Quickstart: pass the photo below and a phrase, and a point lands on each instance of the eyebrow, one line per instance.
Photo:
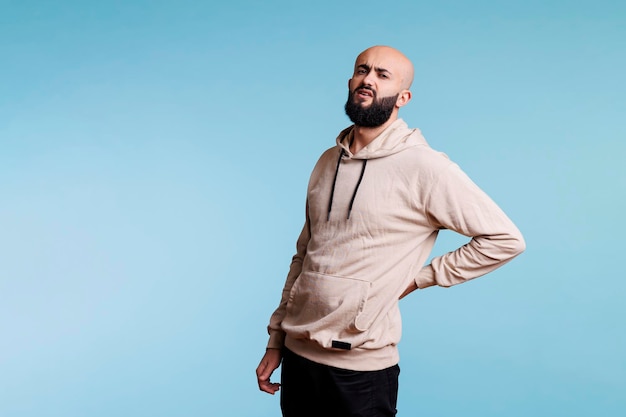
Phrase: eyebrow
(377, 69)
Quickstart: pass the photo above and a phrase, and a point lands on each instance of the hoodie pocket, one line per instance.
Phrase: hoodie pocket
(326, 308)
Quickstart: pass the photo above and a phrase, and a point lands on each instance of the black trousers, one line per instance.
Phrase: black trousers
(310, 389)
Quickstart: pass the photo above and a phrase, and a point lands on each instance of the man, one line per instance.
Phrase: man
(375, 203)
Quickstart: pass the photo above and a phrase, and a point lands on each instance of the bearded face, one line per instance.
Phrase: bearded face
(373, 115)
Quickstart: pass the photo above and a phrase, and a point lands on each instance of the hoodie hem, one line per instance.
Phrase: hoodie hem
(355, 359)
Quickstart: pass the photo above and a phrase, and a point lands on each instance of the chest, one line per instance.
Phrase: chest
(385, 191)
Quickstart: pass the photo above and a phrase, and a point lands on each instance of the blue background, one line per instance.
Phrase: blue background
(154, 157)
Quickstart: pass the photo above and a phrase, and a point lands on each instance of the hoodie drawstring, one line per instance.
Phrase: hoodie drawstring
(332, 190)
(356, 189)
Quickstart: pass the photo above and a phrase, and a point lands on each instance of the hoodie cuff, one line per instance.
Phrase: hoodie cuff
(426, 277)
(277, 339)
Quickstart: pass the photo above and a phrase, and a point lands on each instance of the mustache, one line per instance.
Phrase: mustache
(365, 87)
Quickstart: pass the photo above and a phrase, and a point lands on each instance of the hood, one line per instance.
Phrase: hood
(394, 139)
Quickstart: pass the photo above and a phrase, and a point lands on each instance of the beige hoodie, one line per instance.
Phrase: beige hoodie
(339, 305)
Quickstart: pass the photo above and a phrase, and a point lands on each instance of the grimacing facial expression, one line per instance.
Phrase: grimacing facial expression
(379, 86)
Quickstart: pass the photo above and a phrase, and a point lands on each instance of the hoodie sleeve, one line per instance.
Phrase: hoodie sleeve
(277, 335)
(457, 204)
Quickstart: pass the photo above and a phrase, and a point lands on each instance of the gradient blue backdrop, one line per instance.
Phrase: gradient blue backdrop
(153, 164)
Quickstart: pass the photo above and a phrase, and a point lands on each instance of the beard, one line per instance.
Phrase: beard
(374, 115)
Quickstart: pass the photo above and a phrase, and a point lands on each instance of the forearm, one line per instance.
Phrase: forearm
(480, 256)
(274, 329)
(457, 204)
(277, 336)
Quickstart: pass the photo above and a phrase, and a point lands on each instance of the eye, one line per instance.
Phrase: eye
(361, 71)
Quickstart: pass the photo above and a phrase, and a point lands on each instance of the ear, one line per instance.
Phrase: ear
(403, 98)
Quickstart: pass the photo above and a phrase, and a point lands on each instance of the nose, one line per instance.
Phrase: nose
(367, 80)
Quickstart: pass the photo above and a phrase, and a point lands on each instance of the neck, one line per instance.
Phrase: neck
(363, 136)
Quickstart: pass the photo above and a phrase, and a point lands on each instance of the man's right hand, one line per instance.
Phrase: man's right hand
(271, 361)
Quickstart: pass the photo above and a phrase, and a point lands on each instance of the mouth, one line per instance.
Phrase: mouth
(364, 92)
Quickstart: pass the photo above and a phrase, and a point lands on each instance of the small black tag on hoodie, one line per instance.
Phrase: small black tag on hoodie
(341, 345)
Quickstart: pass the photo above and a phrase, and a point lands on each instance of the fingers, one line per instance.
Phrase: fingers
(412, 287)
(264, 372)
(269, 387)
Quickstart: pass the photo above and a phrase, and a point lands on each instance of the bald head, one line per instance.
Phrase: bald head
(390, 59)
(379, 86)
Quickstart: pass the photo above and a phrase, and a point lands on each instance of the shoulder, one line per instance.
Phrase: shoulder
(424, 158)
(328, 158)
